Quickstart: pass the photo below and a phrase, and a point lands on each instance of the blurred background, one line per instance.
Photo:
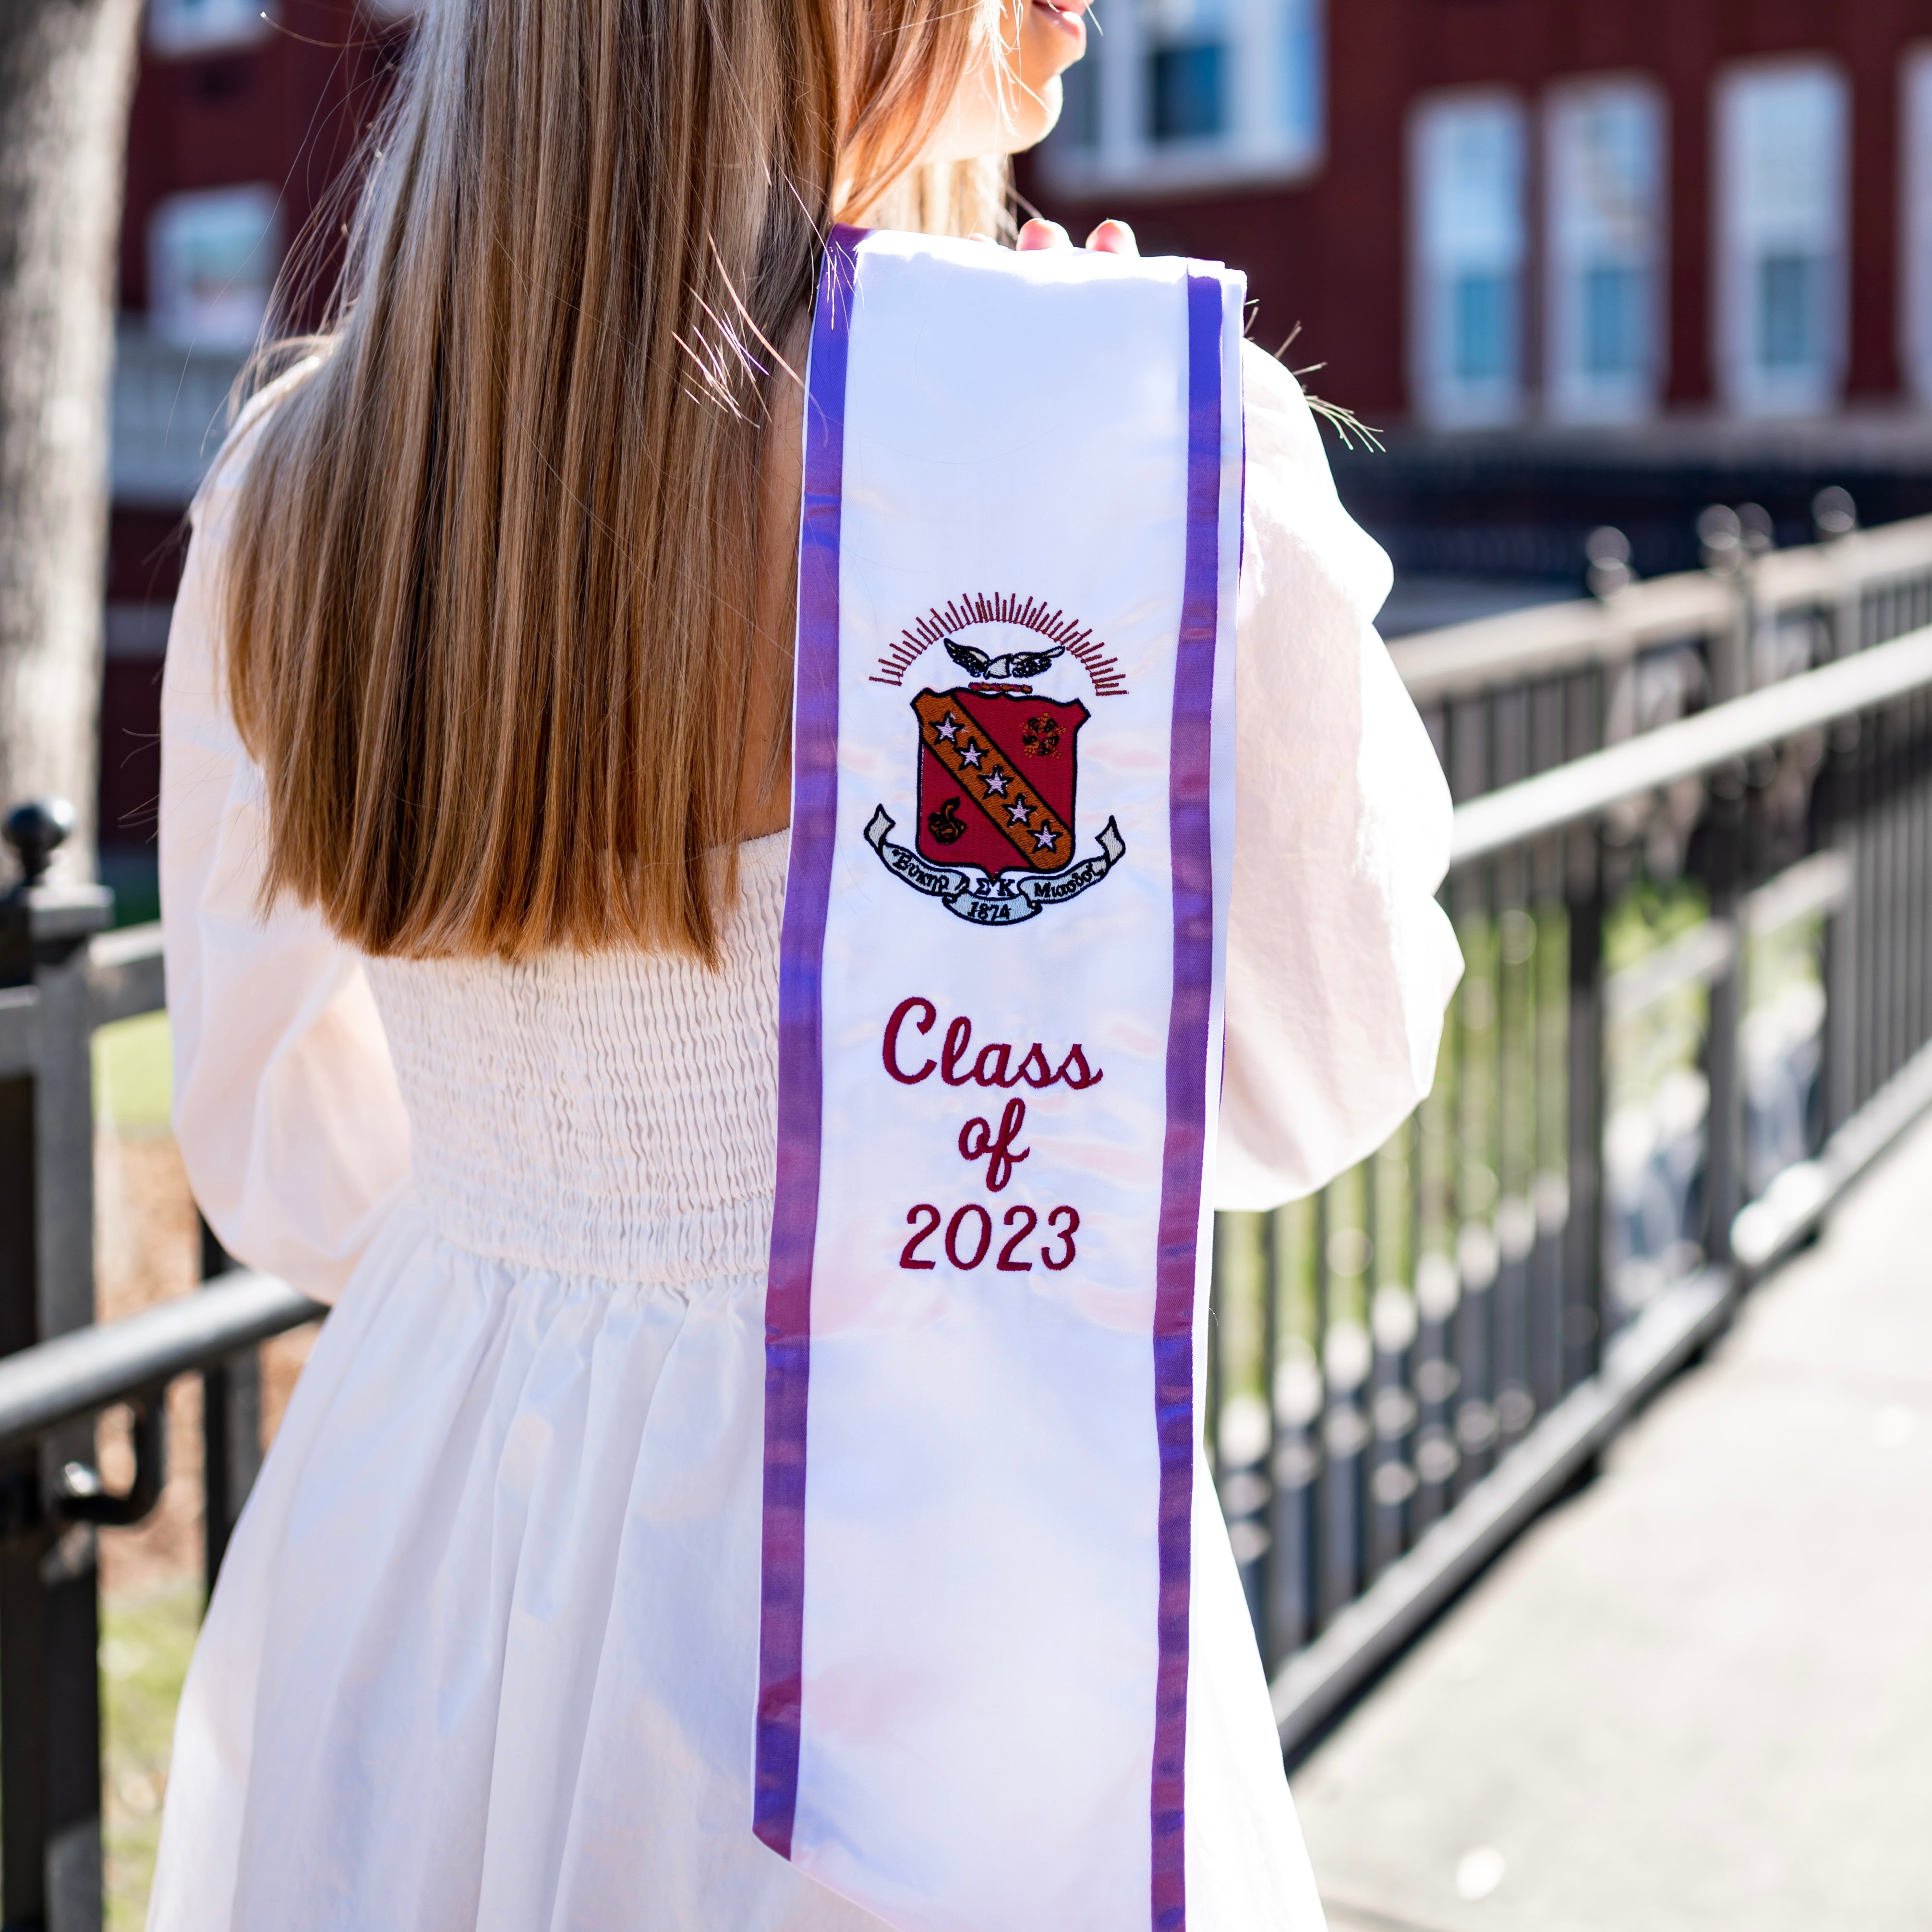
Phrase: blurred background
(1624, 311)
(1577, 264)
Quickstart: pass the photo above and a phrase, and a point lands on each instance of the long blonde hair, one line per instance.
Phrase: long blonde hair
(491, 578)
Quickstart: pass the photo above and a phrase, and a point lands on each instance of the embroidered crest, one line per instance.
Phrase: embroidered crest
(998, 775)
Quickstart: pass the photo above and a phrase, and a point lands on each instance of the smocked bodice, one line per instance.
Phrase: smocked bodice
(604, 1114)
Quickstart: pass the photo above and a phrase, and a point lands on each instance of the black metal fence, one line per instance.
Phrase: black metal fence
(1698, 997)
(1699, 988)
(60, 978)
(1506, 698)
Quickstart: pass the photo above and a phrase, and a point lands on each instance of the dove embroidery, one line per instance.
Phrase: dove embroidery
(1012, 664)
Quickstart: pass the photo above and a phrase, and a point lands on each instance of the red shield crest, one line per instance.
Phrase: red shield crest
(996, 777)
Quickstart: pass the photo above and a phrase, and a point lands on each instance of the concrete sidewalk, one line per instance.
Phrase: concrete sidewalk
(1699, 1695)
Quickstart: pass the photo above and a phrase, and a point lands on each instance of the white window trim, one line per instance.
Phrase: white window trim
(168, 32)
(1439, 401)
(1569, 396)
(1915, 219)
(1745, 388)
(256, 202)
(1259, 151)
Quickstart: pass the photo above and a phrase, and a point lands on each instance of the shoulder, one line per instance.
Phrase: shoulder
(239, 447)
(1281, 427)
(1295, 522)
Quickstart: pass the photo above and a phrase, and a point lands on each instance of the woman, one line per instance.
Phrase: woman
(474, 850)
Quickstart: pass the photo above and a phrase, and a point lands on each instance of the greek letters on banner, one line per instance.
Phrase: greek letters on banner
(1000, 1035)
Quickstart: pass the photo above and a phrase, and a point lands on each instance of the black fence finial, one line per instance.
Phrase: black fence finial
(37, 829)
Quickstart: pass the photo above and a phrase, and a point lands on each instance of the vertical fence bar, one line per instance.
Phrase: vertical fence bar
(1911, 868)
(1438, 1280)
(1211, 1412)
(49, 1612)
(1552, 1190)
(1477, 1181)
(1295, 1397)
(1582, 1329)
(1515, 1102)
(1921, 951)
(1336, 1506)
(1864, 950)
(1723, 1157)
(23, 1675)
(1919, 1016)
(1838, 832)
(1391, 1325)
(231, 1423)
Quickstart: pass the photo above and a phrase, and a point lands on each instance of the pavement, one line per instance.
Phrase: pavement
(1698, 1695)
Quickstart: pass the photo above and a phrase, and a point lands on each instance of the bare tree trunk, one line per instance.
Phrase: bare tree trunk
(66, 67)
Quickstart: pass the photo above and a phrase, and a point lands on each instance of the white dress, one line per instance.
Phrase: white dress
(484, 1651)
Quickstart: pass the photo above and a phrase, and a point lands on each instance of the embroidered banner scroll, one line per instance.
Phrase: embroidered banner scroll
(999, 1025)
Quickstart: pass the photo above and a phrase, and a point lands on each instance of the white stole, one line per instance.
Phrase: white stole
(999, 1056)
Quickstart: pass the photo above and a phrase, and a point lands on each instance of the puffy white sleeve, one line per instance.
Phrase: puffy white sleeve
(285, 1107)
(1340, 960)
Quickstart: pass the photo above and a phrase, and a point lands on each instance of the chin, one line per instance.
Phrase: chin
(1039, 114)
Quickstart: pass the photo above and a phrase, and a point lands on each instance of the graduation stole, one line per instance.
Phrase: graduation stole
(999, 1054)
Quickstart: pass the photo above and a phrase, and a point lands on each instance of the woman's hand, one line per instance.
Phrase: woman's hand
(1111, 237)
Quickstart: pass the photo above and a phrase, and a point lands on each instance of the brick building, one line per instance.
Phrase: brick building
(1581, 260)
(1585, 260)
(241, 129)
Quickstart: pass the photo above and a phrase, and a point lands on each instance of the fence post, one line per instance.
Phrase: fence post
(1721, 539)
(1724, 1148)
(50, 1614)
(1839, 830)
(1585, 887)
(231, 1424)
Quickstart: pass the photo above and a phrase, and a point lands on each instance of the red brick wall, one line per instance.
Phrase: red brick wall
(288, 110)
(1331, 255)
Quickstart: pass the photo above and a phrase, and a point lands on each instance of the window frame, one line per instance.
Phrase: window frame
(1748, 384)
(1441, 398)
(170, 29)
(168, 317)
(1260, 148)
(1915, 219)
(1572, 392)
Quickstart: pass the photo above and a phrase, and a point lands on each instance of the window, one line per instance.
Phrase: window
(1182, 92)
(1467, 233)
(212, 261)
(1781, 238)
(1187, 90)
(1604, 155)
(194, 26)
(1915, 239)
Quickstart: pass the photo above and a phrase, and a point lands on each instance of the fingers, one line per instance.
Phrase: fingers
(1111, 237)
(1038, 234)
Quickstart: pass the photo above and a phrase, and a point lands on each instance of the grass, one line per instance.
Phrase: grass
(133, 1071)
(145, 1647)
(145, 1641)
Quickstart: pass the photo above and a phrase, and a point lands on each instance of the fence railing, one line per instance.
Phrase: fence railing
(1698, 998)
(1699, 994)
(1507, 697)
(62, 977)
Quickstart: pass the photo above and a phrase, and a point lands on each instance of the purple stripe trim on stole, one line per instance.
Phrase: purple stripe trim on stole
(801, 1085)
(1190, 808)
